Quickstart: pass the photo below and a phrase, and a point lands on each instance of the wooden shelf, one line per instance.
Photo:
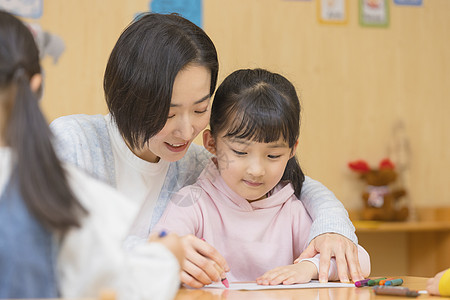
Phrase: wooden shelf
(415, 248)
(420, 226)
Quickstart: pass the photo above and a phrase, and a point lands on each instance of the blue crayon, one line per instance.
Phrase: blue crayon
(162, 234)
(397, 281)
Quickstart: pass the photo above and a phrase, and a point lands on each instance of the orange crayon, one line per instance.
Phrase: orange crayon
(382, 282)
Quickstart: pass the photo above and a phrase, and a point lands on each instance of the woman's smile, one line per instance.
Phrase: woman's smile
(177, 147)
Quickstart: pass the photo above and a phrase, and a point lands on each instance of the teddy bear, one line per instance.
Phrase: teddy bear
(381, 201)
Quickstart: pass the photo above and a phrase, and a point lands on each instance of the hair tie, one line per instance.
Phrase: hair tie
(19, 73)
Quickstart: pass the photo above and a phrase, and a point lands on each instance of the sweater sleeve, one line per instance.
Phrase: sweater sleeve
(364, 261)
(67, 141)
(444, 284)
(83, 141)
(91, 258)
(327, 212)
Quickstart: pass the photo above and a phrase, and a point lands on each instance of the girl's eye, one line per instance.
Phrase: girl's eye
(170, 116)
(239, 152)
(274, 156)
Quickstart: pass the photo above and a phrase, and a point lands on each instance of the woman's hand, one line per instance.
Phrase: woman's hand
(297, 273)
(171, 242)
(203, 264)
(433, 284)
(334, 245)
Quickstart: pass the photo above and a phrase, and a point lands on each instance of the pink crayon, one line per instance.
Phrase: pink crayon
(225, 282)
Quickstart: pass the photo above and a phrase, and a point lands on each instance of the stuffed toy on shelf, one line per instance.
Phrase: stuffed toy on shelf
(381, 201)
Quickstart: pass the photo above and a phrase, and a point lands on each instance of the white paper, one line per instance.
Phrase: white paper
(251, 286)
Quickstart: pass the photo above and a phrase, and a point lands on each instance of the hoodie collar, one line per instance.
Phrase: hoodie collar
(214, 184)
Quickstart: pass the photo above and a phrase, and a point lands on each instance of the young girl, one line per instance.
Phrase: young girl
(440, 284)
(61, 231)
(158, 83)
(245, 203)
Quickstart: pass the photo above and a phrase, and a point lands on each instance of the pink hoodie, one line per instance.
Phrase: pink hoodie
(254, 237)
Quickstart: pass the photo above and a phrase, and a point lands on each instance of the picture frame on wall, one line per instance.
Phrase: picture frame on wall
(32, 9)
(189, 9)
(374, 13)
(332, 11)
(409, 2)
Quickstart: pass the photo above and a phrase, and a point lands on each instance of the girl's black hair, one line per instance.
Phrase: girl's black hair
(41, 179)
(260, 106)
(141, 71)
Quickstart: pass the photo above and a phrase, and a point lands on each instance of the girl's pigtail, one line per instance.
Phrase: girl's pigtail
(294, 174)
(42, 180)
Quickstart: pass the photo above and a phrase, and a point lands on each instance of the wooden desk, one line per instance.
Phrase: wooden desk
(366, 293)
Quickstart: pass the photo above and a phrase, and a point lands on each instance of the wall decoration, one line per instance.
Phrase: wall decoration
(49, 44)
(189, 9)
(332, 11)
(374, 13)
(408, 2)
(23, 8)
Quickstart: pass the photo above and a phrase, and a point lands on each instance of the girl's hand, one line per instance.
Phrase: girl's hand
(433, 284)
(171, 242)
(203, 264)
(335, 245)
(296, 273)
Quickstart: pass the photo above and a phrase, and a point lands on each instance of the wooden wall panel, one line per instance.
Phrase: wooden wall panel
(356, 83)
(89, 30)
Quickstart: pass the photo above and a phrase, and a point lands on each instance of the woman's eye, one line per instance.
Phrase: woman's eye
(201, 111)
(170, 116)
(239, 152)
(274, 156)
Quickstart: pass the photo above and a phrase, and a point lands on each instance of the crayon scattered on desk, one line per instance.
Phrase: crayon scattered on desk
(397, 281)
(373, 282)
(395, 291)
(362, 283)
(382, 282)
